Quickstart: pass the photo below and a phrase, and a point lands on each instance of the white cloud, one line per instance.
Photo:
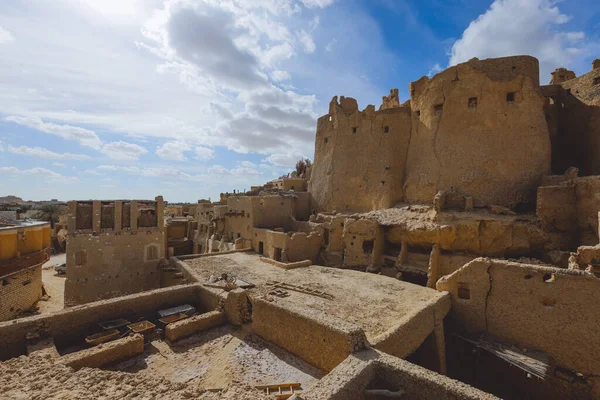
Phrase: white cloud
(5, 36)
(85, 137)
(279, 76)
(317, 3)
(40, 173)
(57, 164)
(307, 42)
(516, 27)
(204, 153)
(1, 147)
(434, 70)
(9, 170)
(329, 46)
(45, 153)
(284, 160)
(173, 151)
(123, 151)
(248, 164)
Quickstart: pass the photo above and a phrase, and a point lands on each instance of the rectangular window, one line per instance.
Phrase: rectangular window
(437, 110)
(81, 258)
(510, 97)
(596, 81)
(386, 129)
(473, 102)
(354, 129)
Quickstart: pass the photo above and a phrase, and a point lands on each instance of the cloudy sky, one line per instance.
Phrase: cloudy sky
(190, 98)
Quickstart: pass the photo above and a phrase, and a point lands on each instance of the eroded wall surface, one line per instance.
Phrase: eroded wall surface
(533, 306)
(114, 248)
(359, 157)
(479, 129)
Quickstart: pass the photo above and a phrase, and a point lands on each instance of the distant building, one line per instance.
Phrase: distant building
(24, 247)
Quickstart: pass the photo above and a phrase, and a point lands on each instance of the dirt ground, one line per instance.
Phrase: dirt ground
(373, 302)
(217, 358)
(224, 358)
(54, 285)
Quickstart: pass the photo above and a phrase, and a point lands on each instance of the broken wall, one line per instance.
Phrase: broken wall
(359, 158)
(531, 306)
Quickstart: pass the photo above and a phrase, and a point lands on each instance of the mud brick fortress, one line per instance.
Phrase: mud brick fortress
(445, 247)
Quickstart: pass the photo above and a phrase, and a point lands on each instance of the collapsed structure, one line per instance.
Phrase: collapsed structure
(453, 234)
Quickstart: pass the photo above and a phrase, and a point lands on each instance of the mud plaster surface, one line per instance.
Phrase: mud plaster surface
(214, 359)
(220, 358)
(373, 302)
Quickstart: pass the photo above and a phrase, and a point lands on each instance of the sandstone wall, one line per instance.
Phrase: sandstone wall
(479, 129)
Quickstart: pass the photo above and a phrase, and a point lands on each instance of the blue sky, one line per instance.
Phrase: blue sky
(189, 98)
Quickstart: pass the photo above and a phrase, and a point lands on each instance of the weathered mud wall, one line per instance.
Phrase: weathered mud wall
(479, 129)
(372, 369)
(108, 265)
(359, 157)
(532, 306)
(299, 332)
(74, 323)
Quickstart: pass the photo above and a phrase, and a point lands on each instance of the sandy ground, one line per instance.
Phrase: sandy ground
(54, 285)
(373, 302)
(218, 358)
(224, 358)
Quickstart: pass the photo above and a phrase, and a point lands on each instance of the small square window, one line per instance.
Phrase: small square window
(437, 110)
(596, 81)
(510, 97)
(418, 112)
(386, 129)
(354, 129)
(473, 102)
(464, 292)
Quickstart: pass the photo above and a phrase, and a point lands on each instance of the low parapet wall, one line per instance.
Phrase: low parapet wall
(106, 353)
(320, 340)
(198, 323)
(373, 370)
(74, 323)
(411, 329)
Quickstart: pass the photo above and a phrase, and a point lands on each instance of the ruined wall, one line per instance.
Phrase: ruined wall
(579, 124)
(363, 242)
(479, 129)
(531, 306)
(570, 209)
(371, 369)
(359, 157)
(115, 258)
(74, 323)
(108, 265)
(472, 233)
(284, 247)
(561, 75)
(20, 291)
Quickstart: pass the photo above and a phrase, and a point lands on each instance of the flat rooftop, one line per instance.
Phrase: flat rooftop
(372, 302)
(19, 224)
